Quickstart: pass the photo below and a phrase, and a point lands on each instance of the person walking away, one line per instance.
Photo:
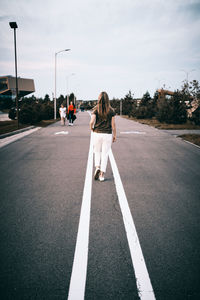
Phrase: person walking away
(62, 111)
(102, 124)
(71, 112)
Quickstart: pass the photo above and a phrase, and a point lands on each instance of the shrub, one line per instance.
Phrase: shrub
(34, 113)
(12, 113)
(146, 107)
(196, 116)
(172, 110)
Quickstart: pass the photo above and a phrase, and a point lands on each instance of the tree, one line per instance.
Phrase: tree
(127, 104)
(195, 89)
(115, 103)
(172, 110)
(71, 97)
(145, 109)
(46, 98)
(146, 99)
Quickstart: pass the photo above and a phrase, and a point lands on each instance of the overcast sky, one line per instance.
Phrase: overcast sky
(116, 45)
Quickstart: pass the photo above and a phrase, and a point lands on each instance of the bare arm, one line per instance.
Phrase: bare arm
(114, 129)
(92, 121)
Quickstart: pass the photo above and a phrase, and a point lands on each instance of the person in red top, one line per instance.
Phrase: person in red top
(71, 112)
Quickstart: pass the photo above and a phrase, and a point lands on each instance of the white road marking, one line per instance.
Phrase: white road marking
(191, 143)
(79, 269)
(13, 138)
(62, 132)
(134, 132)
(145, 290)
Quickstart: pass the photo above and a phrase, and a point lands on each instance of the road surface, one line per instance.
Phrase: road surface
(45, 178)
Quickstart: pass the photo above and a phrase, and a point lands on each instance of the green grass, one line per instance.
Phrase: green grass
(155, 123)
(9, 126)
(192, 138)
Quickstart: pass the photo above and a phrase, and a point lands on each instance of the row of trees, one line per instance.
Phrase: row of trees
(33, 110)
(170, 110)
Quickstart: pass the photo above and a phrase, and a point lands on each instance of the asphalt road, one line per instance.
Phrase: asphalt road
(42, 181)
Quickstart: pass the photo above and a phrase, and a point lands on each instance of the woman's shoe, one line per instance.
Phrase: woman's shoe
(96, 174)
(101, 178)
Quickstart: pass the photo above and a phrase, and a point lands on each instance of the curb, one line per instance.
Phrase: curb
(2, 136)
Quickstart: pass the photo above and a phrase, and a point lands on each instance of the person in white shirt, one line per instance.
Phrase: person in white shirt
(62, 112)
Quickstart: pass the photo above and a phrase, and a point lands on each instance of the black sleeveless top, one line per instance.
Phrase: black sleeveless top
(103, 125)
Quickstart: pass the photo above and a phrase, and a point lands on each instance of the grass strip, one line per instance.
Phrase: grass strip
(155, 123)
(192, 138)
(10, 126)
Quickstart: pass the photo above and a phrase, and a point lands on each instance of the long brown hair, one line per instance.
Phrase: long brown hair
(103, 105)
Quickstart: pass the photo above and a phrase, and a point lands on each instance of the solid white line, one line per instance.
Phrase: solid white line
(79, 269)
(145, 290)
(13, 138)
(191, 143)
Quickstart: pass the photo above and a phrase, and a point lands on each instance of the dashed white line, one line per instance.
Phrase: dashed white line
(79, 269)
(133, 132)
(145, 290)
(61, 132)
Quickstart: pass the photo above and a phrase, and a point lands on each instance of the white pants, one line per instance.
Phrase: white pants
(102, 143)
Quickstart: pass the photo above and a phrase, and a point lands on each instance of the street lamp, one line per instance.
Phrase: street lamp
(14, 26)
(55, 80)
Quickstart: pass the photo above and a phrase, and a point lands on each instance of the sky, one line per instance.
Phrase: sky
(116, 45)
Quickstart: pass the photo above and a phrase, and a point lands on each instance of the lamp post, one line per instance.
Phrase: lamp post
(55, 80)
(14, 26)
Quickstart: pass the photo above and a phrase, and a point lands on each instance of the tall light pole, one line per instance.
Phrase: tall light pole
(14, 26)
(55, 80)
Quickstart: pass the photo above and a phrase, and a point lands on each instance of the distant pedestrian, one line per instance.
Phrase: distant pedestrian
(71, 113)
(62, 112)
(104, 133)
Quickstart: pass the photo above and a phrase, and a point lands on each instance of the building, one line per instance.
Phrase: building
(8, 87)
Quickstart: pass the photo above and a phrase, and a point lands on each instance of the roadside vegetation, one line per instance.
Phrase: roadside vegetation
(165, 126)
(32, 111)
(179, 111)
(10, 126)
(192, 138)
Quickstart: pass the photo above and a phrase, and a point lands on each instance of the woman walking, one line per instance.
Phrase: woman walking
(62, 112)
(71, 112)
(104, 133)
